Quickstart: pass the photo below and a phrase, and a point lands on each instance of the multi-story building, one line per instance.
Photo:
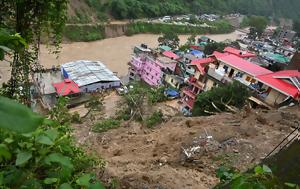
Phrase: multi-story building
(196, 82)
(273, 88)
(152, 67)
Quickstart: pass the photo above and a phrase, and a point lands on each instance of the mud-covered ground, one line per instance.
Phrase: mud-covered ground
(154, 158)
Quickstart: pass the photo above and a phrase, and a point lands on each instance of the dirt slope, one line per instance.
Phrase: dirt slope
(142, 158)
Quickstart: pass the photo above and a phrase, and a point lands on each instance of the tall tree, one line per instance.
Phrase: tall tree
(31, 19)
(170, 39)
(258, 24)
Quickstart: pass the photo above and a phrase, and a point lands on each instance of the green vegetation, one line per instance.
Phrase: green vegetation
(259, 177)
(154, 119)
(30, 19)
(169, 39)
(121, 9)
(40, 153)
(257, 25)
(158, 28)
(220, 99)
(84, 33)
(156, 95)
(137, 98)
(215, 46)
(106, 125)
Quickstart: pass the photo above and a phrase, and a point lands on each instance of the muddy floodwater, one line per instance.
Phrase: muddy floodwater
(115, 53)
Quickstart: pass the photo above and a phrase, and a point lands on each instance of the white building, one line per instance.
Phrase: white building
(90, 75)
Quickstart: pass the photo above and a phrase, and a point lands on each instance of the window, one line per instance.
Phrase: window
(231, 73)
(248, 78)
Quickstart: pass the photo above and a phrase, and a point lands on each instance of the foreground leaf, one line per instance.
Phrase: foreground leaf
(65, 186)
(84, 180)
(60, 159)
(23, 157)
(17, 117)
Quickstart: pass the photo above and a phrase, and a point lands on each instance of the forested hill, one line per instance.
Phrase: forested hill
(121, 9)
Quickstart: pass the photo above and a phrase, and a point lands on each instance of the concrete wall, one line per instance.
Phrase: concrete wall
(98, 86)
(209, 84)
(115, 30)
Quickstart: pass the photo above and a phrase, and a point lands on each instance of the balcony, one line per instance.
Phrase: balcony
(189, 93)
(189, 103)
(190, 71)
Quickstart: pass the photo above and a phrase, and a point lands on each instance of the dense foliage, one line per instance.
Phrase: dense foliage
(157, 28)
(30, 19)
(84, 33)
(154, 8)
(40, 153)
(261, 177)
(219, 98)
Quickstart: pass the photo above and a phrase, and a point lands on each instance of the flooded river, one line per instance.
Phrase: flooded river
(114, 52)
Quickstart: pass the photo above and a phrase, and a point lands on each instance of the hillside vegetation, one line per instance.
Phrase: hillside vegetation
(89, 10)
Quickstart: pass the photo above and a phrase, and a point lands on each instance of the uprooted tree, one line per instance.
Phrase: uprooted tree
(220, 99)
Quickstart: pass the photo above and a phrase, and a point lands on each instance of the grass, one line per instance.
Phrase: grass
(154, 119)
(106, 125)
(84, 32)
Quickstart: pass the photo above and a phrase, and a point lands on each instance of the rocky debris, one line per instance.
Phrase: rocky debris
(185, 151)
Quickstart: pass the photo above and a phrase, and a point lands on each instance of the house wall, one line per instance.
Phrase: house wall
(172, 81)
(275, 97)
(98, 86)
(151, 73)
(209, 84)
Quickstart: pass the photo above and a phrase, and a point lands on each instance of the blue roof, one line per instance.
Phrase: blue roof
(172, 92)
(196, 52)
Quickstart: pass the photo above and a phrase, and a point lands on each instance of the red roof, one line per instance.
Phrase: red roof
(243, 65)
(66, 87)
(287, 74)
(239, 53)
(170, 54)
(218, 54)
(279, 84)
(200, 63)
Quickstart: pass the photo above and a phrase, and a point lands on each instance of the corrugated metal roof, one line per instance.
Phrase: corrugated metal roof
(84, 72)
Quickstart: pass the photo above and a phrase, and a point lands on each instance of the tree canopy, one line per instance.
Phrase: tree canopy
(31, 20)
(146, 8)
(170, 39)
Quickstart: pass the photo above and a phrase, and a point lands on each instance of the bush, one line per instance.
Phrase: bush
(84, 33)
(154, 119)
(156, 95)
(41, 153)
(75, 118)
(158, 28)
(106, 125)
(234, 94)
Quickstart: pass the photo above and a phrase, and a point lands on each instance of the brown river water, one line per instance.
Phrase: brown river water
(115, 53)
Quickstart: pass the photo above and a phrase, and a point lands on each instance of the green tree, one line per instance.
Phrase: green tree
(215, 46)
(220, 98)
(191, 40)
(31, 19)
(170, 39)
(258, 25)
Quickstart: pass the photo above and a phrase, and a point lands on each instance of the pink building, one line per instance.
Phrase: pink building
(151, 69)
